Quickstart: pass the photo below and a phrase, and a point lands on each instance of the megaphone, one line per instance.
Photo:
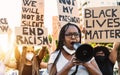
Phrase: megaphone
(84, 52)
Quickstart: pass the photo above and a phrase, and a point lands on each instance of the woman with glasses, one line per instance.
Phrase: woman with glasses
(63, 60)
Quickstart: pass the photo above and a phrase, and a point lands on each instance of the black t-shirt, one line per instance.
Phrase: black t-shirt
(27, 70)
(106, 67)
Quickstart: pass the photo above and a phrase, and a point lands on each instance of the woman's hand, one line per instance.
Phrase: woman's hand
(74, 61)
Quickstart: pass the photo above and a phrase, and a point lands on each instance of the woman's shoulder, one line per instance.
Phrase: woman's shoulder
(55, 52)
(53, 56)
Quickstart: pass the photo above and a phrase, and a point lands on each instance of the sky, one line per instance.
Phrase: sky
(11, 9)
(50, 10)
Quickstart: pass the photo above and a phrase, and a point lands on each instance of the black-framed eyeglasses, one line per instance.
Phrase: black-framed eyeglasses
(75, 34)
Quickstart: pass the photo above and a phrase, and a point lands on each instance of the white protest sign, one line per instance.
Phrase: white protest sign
(4, 28)
(32, 13)
(31, 35)
(68, 12)
(102, 24)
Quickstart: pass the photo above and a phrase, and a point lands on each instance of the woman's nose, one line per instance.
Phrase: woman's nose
(72, 36)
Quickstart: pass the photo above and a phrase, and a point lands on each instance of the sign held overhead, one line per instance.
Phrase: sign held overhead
(102, 24)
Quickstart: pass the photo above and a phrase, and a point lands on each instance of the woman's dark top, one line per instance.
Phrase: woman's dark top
(27, 70)
(106, 67)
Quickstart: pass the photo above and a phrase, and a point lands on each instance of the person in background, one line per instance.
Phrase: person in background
(2, 63)
(28, 62)
(106, 59)
(63, 61)
(2, 68)
(118, 59)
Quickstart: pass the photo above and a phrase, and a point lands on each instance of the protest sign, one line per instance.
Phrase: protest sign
(32, 31)
(32, 13)
(102, 24)
(4, 28)
(31, 36)
(68, 12)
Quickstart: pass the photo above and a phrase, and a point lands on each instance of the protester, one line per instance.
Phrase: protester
(2, 68)
(28, 62)
(63, 60)
(106, 59)
(2, 65)
(118, 59)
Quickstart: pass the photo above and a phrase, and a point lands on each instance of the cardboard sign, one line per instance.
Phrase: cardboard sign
(68, 12)
(102, 24)
(31, 36)
(32, 13)
(4, 28)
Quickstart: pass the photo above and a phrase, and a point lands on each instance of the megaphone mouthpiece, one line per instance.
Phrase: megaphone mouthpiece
(75, 45)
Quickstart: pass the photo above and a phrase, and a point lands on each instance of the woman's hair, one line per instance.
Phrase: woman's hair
(35, 66)
(101, 48)
(62, 35)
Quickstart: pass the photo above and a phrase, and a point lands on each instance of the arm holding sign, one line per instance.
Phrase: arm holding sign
(17, 58)
(41, 56)
(8, 62)
(113, 53)
(17, 54)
